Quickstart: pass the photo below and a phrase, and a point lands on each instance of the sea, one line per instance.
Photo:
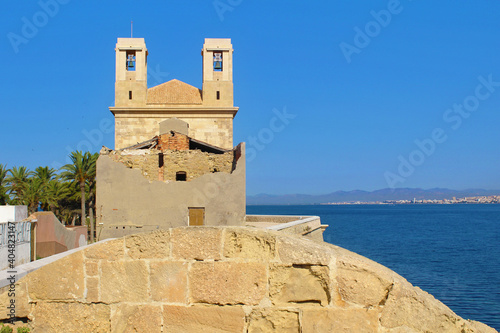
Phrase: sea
(450, 251)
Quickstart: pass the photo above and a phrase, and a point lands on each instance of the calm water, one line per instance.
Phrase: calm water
(450, 251)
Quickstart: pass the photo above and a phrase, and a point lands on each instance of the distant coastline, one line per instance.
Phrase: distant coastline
(491, 199)
(382, 196)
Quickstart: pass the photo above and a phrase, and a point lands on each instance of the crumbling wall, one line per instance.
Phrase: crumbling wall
(173, 141)
(145, 160)
(128, 201)
(230, 279)
(194, 162)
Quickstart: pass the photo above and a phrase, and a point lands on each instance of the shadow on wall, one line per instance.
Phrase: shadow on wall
(53, 237)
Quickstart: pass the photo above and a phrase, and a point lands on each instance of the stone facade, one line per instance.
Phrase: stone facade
(194, 162)
(174, 164)
(133, 128)
(135, 195)
(225, 279)
(138, 110)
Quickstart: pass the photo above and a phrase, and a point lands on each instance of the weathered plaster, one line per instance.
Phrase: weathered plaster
(129, 203)
(53, 237)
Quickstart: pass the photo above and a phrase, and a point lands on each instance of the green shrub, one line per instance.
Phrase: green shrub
(6, 329)
(23, 330)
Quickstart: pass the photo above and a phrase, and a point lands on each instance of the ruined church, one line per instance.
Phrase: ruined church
(174, 163)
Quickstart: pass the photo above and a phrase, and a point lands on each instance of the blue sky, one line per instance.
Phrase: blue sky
(375, 93)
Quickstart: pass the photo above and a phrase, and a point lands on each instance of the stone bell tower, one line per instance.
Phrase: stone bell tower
(138, 110)
(217, 72)
(131, 72)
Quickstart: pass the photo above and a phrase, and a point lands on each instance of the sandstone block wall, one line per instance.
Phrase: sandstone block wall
(226, 279)
(307, 226)
(144, 160)
(194, 162)
(131, 129)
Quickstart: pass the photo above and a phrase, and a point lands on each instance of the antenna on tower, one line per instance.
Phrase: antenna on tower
(131, 29)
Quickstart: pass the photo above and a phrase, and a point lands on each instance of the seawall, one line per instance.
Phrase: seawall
(225, 279)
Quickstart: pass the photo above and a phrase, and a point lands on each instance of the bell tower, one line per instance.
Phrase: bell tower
(138, 109)
(217, 72)
(131, 72)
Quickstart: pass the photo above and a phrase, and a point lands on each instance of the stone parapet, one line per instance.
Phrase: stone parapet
(225, 279)
(308, 226)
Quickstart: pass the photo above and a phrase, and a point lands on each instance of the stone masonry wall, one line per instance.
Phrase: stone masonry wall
(225, 279)
(194, 162)
(129, 130)
(144, 160)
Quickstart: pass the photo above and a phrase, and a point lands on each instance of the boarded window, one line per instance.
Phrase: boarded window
(196, 215)
(180, 176)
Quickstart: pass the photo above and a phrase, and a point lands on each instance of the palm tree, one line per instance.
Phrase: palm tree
(45, 175)
(32, 193)
(80, 172)
(57, 192)
(17, 182)
(4, 198)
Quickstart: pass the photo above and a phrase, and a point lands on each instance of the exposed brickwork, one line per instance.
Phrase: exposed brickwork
(161, 173)
(173, 141)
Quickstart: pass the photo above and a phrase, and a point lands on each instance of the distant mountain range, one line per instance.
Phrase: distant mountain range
(358, 195)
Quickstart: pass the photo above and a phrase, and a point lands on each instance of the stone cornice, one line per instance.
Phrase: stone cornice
(174, 110)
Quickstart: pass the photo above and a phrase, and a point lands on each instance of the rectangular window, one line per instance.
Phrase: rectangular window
(130, 95)
(218, 95)
(180, 176)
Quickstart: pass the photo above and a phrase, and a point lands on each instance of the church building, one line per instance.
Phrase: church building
(208, 111)
(174, 163)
